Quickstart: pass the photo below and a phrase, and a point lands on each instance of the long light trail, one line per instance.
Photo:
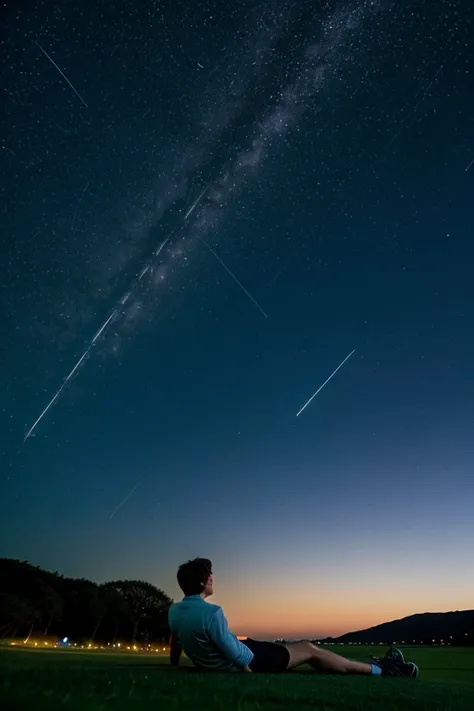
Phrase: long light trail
(233, 276)
(62, 73)
(100, 332)
(325, 383)
(68, 378)
(124, 501)
(195, 203)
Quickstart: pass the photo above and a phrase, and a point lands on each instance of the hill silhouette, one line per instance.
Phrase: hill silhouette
(455, 628)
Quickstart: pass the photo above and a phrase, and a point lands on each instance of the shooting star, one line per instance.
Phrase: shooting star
(233, 276)
(143, 272)
(61, 72)
(325, 383)
(161, 247)
(68, 378)
(124, 501)
(101, 330)
(194, 204)
(57, 394)
(470, 164)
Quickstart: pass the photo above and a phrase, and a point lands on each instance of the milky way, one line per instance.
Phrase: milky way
(264, 106)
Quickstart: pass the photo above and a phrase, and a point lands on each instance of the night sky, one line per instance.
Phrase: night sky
(328, 151)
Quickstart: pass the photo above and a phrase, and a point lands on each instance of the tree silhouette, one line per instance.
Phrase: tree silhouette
(147, 604)
(34, 600)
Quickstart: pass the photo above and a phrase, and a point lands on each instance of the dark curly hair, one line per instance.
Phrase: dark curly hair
(193, 575)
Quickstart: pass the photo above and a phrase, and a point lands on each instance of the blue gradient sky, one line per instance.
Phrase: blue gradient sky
(352, 229)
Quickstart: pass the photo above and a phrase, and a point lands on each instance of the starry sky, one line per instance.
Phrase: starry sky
(206, 207)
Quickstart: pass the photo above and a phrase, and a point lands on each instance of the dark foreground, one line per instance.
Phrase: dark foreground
(80, 681)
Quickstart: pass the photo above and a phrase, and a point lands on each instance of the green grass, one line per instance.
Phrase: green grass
(84, 681)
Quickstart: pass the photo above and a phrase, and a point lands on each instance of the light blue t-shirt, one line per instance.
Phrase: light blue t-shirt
(202, 632)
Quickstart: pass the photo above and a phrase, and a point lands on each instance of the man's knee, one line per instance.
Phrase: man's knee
(308, 646)
(301, 652)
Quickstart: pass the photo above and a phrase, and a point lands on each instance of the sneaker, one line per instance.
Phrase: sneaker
(393, 654)
(391, 667)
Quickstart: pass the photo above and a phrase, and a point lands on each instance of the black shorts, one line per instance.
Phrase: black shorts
(269, 657)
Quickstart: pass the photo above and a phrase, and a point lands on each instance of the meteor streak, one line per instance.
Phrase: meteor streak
(143, 272)
(161, 247)
(68, 378)
(62, 73)
(125, 499)
(233, 276)
(101, 330)
(194, 204)
(104, 326)
(325, 383)
(58, 393)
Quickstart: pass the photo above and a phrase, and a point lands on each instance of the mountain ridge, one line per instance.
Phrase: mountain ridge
(453, 627)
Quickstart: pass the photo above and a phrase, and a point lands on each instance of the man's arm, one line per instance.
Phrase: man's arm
(227, 643)
(175, 651)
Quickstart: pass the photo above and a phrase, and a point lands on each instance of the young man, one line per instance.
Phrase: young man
(200, 629)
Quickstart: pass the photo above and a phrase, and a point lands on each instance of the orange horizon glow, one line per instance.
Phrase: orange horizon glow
(275, 618)
(338, 597)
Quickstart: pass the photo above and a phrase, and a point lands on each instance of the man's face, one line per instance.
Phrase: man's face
(209, 586)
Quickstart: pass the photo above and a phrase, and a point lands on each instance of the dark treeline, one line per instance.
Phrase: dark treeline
(34, 602)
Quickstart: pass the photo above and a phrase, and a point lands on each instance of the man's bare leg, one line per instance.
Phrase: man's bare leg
(323, 660)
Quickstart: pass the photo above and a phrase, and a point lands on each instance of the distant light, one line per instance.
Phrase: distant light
(65, 640)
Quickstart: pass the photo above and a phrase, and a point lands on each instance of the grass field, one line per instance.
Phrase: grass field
(83, 681)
